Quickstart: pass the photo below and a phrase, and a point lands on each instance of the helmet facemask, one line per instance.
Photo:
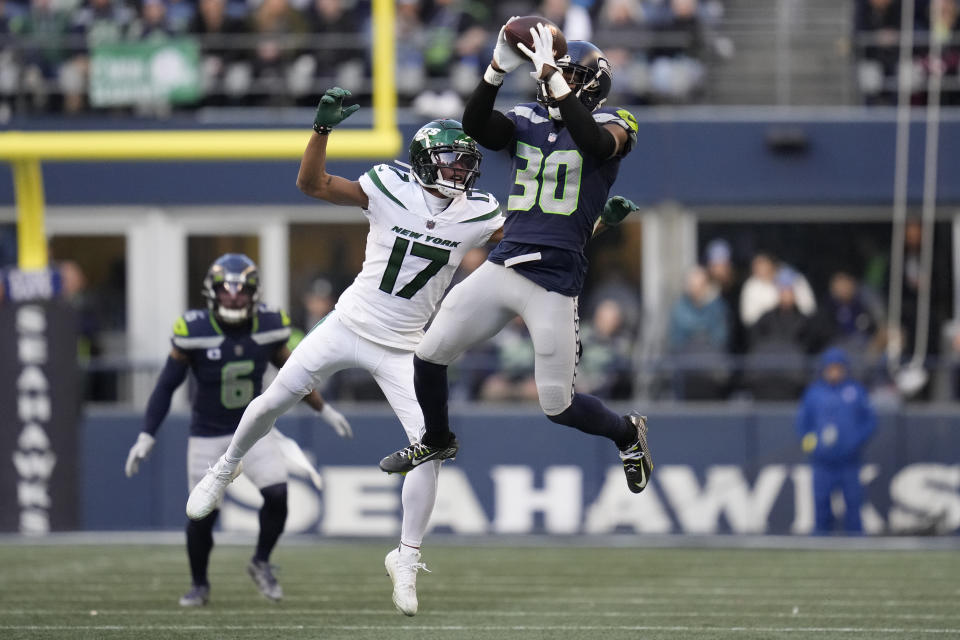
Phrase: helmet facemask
(234, 301)
(232, 289)
(590, 83)
(453, 171)
(444, 158)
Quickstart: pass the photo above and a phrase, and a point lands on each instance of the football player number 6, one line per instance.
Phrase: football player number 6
(235, 390)
(544, 192)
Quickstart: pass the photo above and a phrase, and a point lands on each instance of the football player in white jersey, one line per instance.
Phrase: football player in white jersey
(423, 218)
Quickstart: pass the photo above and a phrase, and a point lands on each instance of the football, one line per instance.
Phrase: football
(518, 31)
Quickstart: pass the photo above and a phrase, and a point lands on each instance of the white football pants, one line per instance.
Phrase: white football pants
(264, 463)
(479, 307)
(332, 347)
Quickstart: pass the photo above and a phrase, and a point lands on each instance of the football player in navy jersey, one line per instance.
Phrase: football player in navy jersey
(227, 346)
(566, 150)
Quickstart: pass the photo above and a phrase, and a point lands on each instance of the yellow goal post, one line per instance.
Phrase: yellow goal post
(25, 150)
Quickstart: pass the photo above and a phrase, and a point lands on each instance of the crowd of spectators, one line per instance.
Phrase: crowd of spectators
(287, 52)
(877, 39)
(756, 335)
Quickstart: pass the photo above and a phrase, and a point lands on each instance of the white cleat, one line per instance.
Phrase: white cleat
(208, 494)
(403, 572)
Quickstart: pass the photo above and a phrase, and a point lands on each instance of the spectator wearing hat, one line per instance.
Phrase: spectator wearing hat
(698, 335)
(834, 423)
(718, 258)
(778, 344)
(760, 293)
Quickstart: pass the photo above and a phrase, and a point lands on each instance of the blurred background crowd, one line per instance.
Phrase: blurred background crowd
(287, 52)
(747, 323)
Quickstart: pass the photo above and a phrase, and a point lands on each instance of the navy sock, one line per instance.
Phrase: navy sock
(589, 415)
(430, 384)
(199, 546)
(273, 517)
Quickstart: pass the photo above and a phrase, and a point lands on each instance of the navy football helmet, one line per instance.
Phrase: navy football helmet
(586, 69)
(232, 288)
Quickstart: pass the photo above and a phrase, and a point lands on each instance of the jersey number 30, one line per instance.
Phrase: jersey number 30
(544, 192)
(437, 259)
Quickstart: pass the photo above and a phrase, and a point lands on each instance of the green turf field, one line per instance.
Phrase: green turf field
(340, 591)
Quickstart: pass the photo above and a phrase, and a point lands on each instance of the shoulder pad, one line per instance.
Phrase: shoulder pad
(272, 325)
(194, 330)
(483, 205)
(622, 117)
(615, 115)
(387, 182)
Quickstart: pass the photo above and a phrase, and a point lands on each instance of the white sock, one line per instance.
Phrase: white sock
(258, 418)
(418, 497)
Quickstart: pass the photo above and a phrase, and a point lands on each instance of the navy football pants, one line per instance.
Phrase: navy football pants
(846, 478)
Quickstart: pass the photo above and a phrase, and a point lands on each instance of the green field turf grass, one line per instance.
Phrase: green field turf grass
(339, 590)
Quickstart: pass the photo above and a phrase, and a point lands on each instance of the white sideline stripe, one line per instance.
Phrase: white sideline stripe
(784, 602)
(614, 541)
(486, 613)
(393, 627)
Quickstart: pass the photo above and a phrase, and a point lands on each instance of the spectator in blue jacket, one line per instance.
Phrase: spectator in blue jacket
(834, 423)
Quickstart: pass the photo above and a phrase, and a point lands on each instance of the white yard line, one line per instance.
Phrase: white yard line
(486, 613)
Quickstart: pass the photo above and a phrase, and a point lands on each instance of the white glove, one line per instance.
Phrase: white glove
(336, 420)
(139, 452)
(504, 57)
(542, 54)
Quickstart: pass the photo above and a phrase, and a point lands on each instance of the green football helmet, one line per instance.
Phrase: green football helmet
(445, 158)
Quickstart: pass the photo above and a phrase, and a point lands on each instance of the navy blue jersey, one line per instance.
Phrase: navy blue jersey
(228, 364)
(557, 196)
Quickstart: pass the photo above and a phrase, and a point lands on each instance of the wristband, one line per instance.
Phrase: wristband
(557, 85)
(322, 129)
(492, 76)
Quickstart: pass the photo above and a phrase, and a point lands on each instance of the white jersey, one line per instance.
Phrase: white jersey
(411, 255)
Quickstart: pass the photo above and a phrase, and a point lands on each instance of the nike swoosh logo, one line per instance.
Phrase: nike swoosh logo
(643, 478)
(414, 462)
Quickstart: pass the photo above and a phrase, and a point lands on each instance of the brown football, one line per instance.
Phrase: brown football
(518, 31)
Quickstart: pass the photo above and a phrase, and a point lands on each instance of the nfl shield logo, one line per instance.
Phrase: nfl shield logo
(431, 224)
(552, 137)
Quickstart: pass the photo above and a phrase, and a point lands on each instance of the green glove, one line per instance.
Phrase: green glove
(330, 111)
(616, 209)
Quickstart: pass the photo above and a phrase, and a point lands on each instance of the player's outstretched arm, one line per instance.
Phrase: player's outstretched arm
(614, 211)
(313, 178)
(490, 128)
(158, 406)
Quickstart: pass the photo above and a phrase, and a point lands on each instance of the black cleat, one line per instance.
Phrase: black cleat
(637, 463)
(198, 596)
(411, 457)
(262, 575)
